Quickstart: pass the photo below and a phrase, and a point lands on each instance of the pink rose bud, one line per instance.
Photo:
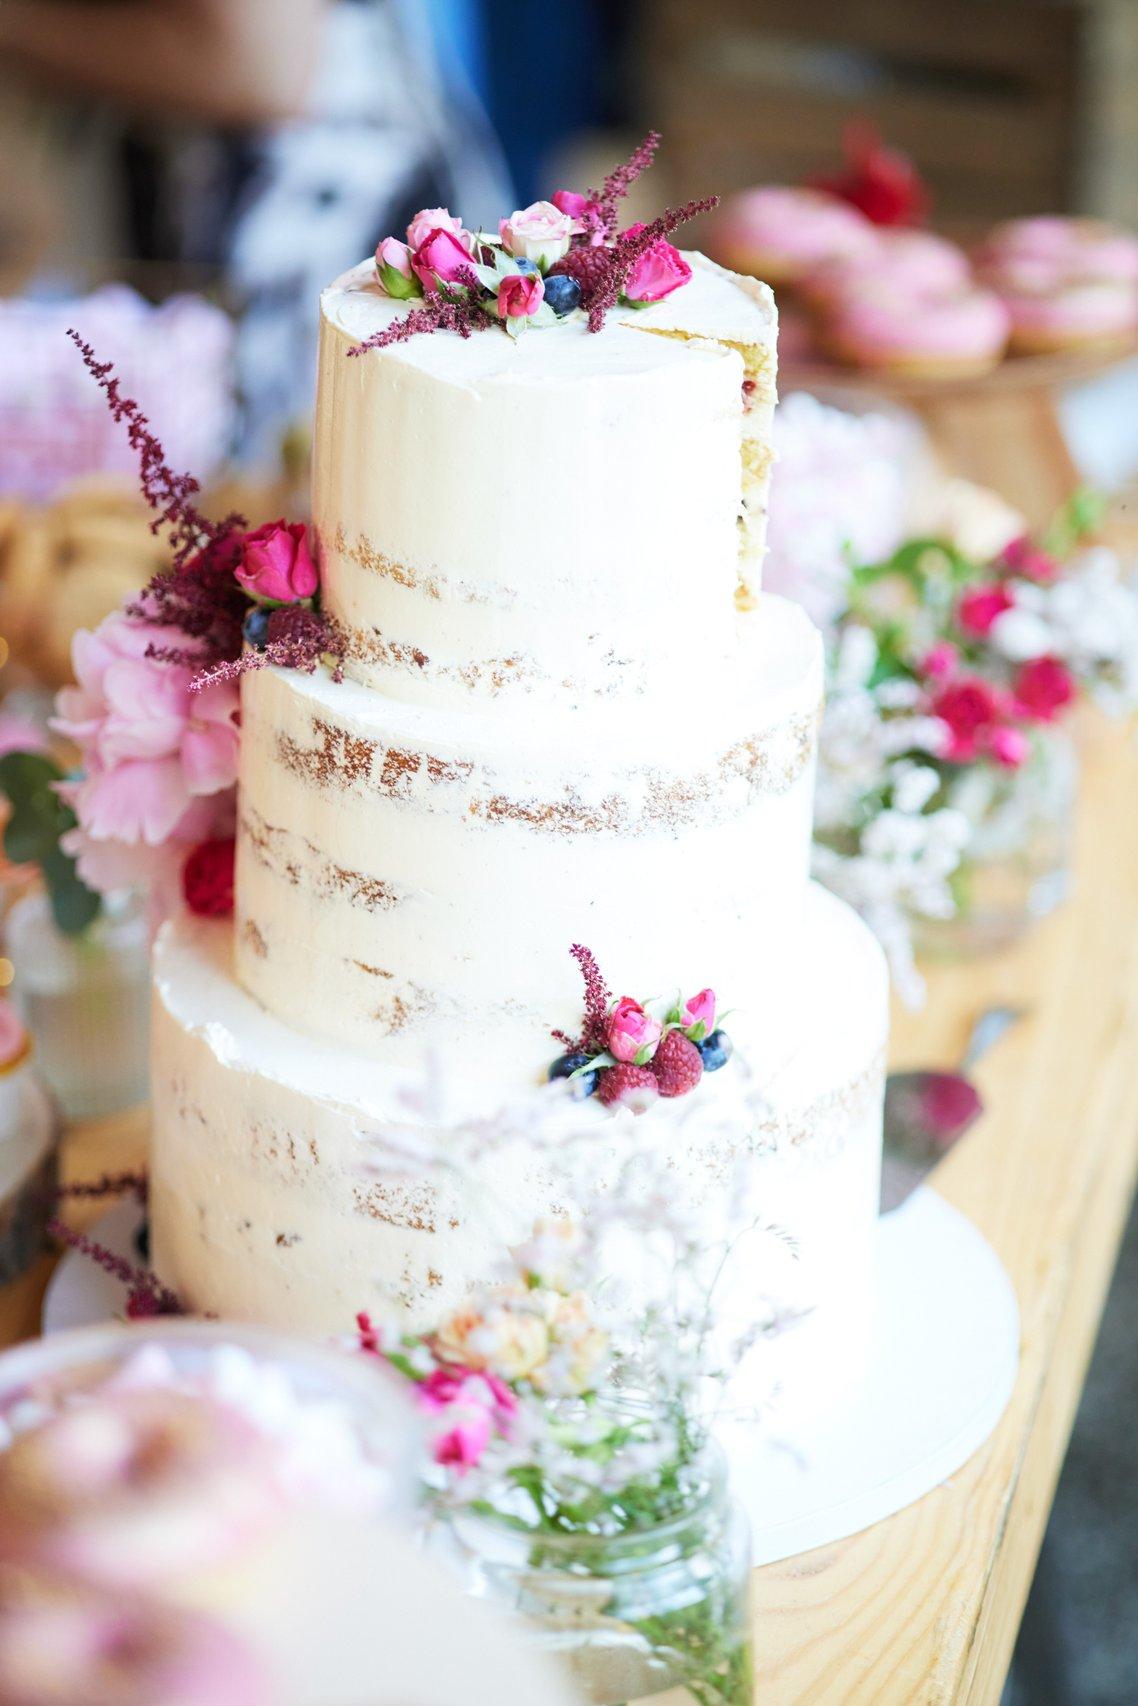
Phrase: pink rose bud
(980, 606)
(573, 203)
(520, 294)
(633, 1033)
(441, 255)
(276, 563)
(432, 219)
(393, 265)
(539, 232)
(940, 662)
(657, 273)
(700, 1010)
(1009, 746)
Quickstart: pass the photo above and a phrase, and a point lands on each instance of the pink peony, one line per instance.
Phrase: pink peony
(519, 295)
(970, 709)
(940, 661)
(160, 761)
(277, 564)
(462, 1445)
(539, 232)
(1009, 746)
(1043, 687)
(430, 219)
(440, 255)
(1023, 557)
(700, 1010)
(632, 1033)
(980, 606)
(659, 271)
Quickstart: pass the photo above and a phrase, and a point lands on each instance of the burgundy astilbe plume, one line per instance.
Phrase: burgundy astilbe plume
(442, 312)
(598, 999)
(627, 250)
(619, 181)
(169, 494)
(146, 1295)
(298, 639)
(107, 1185)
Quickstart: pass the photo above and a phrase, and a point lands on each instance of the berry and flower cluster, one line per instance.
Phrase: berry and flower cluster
(545, 263)
(154, 713)
(628, 1053)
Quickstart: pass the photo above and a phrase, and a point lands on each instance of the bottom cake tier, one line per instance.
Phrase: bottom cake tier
(273, 1197)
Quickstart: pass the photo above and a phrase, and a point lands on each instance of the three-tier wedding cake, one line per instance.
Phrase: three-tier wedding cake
(567, 715)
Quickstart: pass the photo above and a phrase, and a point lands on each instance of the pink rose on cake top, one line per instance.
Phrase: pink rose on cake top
(546, 263)
(52, 427)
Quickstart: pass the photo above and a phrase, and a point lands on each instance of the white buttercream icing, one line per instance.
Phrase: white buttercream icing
(553, 515)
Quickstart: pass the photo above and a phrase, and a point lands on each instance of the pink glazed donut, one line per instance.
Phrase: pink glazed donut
(894, 330)
(914, 260)
(1088, 248)
(1051, 313)
(779, 233)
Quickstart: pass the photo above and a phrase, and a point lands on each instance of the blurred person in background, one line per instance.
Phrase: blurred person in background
(271, 142)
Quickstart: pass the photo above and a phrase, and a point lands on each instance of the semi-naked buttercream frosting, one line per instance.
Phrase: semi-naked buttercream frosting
(568, 714)
(550, 517)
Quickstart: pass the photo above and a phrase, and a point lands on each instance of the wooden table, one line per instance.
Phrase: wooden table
(925, 1606)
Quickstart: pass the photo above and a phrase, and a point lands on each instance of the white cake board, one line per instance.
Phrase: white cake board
(942, 1362)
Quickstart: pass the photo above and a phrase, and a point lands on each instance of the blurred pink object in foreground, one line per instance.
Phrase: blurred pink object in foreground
(54, 424)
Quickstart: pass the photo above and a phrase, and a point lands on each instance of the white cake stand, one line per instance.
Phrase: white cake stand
(942, 1363)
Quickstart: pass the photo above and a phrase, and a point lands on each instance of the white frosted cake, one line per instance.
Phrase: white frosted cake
(568, 715)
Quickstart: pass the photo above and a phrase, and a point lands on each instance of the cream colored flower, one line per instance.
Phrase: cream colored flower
(577, 1346)
(506, 1336)
(549, 1254)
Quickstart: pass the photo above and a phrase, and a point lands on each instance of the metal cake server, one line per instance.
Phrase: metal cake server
(926, 1112)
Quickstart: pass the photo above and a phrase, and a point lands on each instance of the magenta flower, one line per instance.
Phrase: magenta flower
(940, 661)
(970, 709)
(632, 1033)
(584, 211)
(980, 606)
(440, 256)
(1043, 687)
(1009, 746)
(1023, 557)
(277, 564)
(659, 271)
(520, 294)
(468, 1408)
(159, 760)
(700, 1010)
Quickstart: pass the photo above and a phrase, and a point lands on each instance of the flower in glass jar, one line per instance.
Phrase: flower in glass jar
(1043, 687)
(577, 1347)
(980, 606)
(969, 708)
(1009, 746)
(550, 1254)
(505, 1336)
(1024, 557)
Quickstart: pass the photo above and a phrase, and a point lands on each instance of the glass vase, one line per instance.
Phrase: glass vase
(1016, 863)
(659, 1612)
(86, 1001)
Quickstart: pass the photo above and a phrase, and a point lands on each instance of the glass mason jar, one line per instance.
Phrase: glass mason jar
(86, 1001)
(659, 1612)
(1016, 864)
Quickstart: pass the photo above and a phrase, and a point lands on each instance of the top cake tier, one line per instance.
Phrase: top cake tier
(567, 516)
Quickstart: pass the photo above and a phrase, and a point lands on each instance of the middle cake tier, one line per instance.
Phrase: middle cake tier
(411, 875)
